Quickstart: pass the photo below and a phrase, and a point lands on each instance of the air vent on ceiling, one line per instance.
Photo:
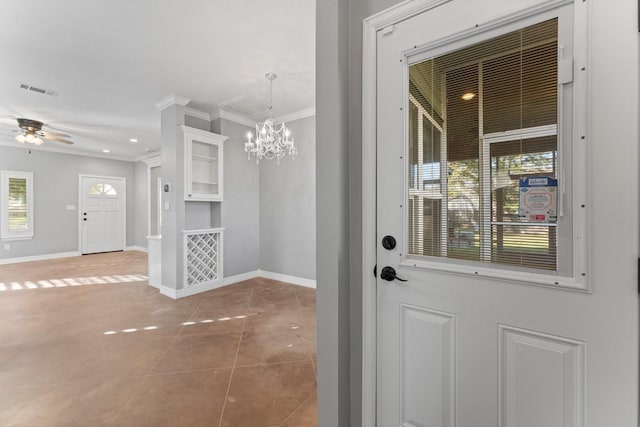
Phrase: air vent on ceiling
(39, 90)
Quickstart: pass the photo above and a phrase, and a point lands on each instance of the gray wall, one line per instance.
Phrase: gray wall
(173, 220)
(154, 221)
(288, 207)
(141, 201)
(339, 113)
(240, 210)
(333, 228)
(55, 186)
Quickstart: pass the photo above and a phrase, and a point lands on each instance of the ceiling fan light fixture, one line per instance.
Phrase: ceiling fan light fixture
(468, 96)
(32, 133)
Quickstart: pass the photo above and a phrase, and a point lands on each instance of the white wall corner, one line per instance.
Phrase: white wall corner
(171, 100)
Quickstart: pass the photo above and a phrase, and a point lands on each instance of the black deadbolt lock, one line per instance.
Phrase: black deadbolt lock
(389, 242)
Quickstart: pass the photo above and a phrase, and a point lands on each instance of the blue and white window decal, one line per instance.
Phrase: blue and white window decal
(538, 199)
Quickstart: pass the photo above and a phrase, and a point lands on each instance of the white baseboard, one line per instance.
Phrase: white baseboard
(5, 261)
(167, 291)
(192, 290)
(241, 277)
(135, 248)
(308, 283)
(197, 289)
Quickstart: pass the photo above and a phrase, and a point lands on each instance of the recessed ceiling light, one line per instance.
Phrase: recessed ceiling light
(133, 140)
(106, 151)
(468, 96)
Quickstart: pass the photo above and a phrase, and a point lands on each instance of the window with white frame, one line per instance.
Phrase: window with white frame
(16, 205)
(485, 151)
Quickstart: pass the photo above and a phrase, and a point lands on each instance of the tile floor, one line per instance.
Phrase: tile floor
(85, 341)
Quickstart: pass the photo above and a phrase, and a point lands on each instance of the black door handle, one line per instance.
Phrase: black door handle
(84, 219)
(389, 274)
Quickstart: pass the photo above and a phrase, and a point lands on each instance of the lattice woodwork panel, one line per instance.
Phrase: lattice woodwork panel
(202, 257)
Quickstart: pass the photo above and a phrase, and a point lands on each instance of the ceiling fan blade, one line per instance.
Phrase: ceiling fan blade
(47, 134)
(55, 138)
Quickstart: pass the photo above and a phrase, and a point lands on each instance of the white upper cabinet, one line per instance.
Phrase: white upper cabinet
(203, 165)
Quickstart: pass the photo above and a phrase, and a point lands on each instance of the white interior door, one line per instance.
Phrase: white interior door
(511, 311)
(102, 214)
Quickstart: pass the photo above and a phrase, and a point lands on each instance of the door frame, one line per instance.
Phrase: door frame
(384, 21)
(124, 206)
(151, 162)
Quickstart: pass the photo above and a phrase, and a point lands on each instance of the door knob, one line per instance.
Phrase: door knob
(389, 242)
(389, 274)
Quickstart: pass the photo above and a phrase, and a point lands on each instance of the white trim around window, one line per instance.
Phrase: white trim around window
(7, 230)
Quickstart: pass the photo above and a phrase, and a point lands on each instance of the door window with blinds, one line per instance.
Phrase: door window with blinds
(484, 153)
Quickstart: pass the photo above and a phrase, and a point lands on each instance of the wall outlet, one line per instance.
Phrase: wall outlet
(7, 246)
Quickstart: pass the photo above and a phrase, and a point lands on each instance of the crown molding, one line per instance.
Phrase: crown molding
(171, 100)
(151, 160)
(246, 121)
(302, 114)
(237, 118)
(68, 151)
(203, 133)
(188, 111)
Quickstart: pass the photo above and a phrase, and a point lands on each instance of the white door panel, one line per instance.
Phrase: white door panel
(454, 349)
(102, 214)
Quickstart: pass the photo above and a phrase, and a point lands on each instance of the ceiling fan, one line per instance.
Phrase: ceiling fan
(31, 132)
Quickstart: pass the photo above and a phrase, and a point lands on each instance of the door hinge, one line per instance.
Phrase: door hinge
(638, 272)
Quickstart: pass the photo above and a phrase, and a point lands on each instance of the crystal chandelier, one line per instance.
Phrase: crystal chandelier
(273, 140)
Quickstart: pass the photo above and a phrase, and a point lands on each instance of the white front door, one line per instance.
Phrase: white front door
(508, 307)
(102, 214)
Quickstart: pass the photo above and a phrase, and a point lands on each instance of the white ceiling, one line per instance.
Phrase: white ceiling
(111, 60)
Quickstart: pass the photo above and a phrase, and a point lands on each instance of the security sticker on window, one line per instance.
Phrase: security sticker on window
(538, 199)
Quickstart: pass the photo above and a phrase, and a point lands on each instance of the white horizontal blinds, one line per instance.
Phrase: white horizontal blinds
(415, 217)
(17, 208)
(514, 240)
(425, 172)
(520, 95)
(487, 116)
(463, 163)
